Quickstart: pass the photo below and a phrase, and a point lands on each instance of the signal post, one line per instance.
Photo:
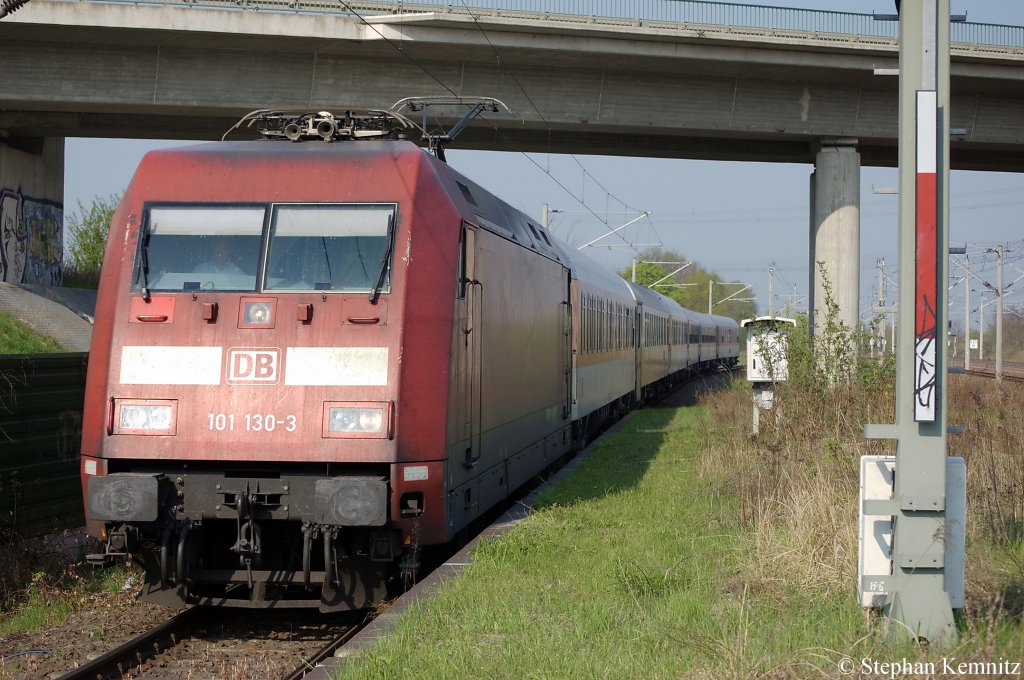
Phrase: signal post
(917, 599)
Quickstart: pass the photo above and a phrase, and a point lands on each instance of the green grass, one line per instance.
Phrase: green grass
(52, 596)
(648, 563)
(632, 567)
(18, 338)
(684, 547)
(39, 607)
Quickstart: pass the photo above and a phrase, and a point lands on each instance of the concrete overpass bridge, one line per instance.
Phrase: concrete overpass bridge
(686, 79)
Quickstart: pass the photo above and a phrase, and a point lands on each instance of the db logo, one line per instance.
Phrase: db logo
(254, 366)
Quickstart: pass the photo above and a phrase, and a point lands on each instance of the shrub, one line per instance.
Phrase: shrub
(88, 229)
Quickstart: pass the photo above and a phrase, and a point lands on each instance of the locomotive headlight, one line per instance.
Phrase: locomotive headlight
(257, 313)
(343, 419)
(145, 417)
(356, 419)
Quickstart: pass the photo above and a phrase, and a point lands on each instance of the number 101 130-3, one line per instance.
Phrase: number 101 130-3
(251, 422)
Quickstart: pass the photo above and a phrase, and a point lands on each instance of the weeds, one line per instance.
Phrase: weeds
(798, 479)
(42, 581)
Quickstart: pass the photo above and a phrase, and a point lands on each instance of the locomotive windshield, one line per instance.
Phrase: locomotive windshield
(329, 247)
(201, 247)
(336, 247)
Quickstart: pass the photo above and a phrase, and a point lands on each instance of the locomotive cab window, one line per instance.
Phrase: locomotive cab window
(343, 247)
(200, 248)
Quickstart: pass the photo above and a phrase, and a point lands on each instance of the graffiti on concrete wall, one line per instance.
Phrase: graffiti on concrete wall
(44, 222)
(12, 240)
(31, 239)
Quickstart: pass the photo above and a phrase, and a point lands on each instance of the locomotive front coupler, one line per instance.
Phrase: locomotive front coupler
(248, 536)
(116, 546)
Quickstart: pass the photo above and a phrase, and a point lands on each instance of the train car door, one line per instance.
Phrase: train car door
(472, 356)
(571, 321)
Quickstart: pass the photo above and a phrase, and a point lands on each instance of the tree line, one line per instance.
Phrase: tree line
(689, 287)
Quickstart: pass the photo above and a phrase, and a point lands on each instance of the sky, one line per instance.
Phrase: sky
(734, 218)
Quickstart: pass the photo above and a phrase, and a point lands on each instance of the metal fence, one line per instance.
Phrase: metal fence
(41, 399)
(662, 13)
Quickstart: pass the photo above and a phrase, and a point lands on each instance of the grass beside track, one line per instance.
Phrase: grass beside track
(18, 338)
(55, 591)
(684, 548)
(632, 567)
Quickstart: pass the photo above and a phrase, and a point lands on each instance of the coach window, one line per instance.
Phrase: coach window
(193, 247)
(345, 247)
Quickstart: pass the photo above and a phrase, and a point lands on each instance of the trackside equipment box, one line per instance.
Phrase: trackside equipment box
(766, 348)
(875, 534)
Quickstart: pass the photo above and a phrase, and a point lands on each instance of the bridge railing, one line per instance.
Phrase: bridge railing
(725, 16)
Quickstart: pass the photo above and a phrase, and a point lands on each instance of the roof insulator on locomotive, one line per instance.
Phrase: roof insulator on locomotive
(301, 125)
(11, 6)
(297, 126)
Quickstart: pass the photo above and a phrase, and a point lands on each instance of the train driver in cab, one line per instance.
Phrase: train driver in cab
(220, 261)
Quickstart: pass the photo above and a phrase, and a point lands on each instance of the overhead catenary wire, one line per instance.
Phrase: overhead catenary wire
(433, 77)
(579, 199)
(398, 48)
(702, 214)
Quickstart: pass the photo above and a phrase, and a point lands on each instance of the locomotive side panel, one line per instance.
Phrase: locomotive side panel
(512, 313)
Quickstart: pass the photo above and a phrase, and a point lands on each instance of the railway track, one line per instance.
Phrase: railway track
(1016, 376)
(216, 643)
(118, 661)
(1012, 372)
(324, 652)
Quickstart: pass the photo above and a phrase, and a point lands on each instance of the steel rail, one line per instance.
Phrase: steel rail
(1009, 375)
(308, 665)
(117, 662)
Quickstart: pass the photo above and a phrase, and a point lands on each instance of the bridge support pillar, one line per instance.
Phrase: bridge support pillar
(31, 210)
(835, 231)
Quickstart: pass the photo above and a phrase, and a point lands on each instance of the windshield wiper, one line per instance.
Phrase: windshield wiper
(327, 257)
(383, 261)
(145, 265)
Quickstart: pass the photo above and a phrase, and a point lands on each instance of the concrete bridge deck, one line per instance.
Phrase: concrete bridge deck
(608, 86)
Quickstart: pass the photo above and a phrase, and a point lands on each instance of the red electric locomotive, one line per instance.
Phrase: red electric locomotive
(310, 360)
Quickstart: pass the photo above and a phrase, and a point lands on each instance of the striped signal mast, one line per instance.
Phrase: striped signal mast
(917, 592)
